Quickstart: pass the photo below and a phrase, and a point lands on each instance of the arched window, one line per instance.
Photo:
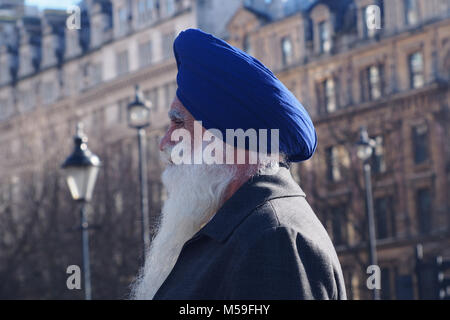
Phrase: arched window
(411, 12)
(324, 37)
(286, 47)
(416, 70)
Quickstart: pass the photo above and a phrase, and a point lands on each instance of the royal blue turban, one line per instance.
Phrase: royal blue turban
(225, 88)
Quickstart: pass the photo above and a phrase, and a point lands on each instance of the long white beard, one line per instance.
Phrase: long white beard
(195, 193)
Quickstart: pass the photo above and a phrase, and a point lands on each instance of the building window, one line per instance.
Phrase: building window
(96, 73)
(427, 282)
(4, 108)
(28, 99)
(423, 207)
(286, 48)
(157, 8)
(48, 92)
(352, 283)
(329, 97)
(98, 119)
(420, 143)
(384, 218)
(374, 80)
(142, 11)
(378, 159)
(145, 54)
(371, 79)
(145, 11)
(7, 107)
(339, 225)
(123, 19)
(333, 171)
(416, 70)
(4, 75)
(173, 90)
(110, 115)
(25, 66)
(118, 202)
(152, 96)
(324, 37)
(15, 189)
(416, 73)
(122, 62)
(49, 54)
(122, 109)
(169, 92)
(170, 7)
(337, 158)
(167, 43)
(404, 287)
(97, 32)
(411, 12)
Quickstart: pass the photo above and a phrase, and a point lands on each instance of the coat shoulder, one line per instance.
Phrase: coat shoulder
(287, 212)
(289, 223)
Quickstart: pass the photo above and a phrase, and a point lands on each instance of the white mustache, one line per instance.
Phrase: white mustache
(166, 156)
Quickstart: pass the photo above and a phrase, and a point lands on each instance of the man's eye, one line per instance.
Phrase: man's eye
(178, 122)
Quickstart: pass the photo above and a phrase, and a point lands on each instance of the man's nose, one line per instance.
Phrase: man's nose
(164, 141)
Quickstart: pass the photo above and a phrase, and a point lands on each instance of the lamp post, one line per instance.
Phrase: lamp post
(365, 147)
(139, 119)
(81, 169)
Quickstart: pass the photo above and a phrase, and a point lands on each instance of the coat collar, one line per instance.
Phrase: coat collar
(250, 195)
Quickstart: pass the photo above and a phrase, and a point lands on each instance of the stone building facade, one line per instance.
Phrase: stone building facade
(52, 77)
(394, 81)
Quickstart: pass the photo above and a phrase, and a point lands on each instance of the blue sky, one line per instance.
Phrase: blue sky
(56, 4)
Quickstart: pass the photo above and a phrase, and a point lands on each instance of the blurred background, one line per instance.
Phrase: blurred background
(350, 65)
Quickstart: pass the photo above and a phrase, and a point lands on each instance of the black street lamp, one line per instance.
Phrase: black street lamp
(81, 169)
(365, 147)
(139, 119)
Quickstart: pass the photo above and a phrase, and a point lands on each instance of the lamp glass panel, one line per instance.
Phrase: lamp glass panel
(81, 181)
(77, 178)
(91, 179)
(364, 152)
(138, 116)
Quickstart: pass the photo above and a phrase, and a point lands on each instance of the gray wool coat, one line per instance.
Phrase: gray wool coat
(265, 242)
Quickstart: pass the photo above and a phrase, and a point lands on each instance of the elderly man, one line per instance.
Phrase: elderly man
(236, 229)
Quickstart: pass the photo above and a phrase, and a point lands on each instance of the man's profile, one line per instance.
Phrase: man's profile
(236, 230)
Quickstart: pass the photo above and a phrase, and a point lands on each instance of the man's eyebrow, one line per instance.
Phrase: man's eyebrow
(176, 115)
